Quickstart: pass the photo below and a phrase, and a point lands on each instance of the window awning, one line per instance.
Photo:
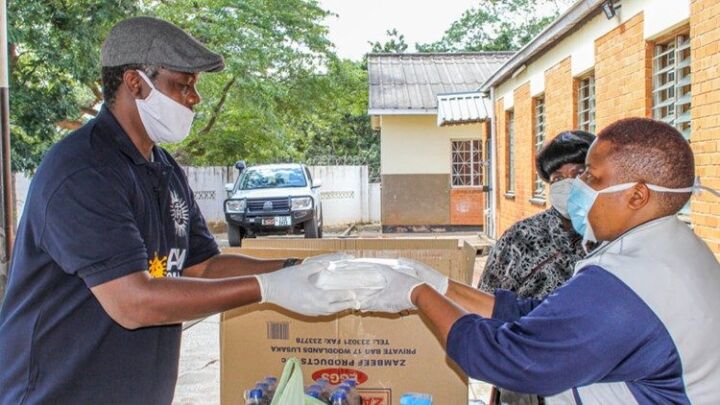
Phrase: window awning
(462, 108)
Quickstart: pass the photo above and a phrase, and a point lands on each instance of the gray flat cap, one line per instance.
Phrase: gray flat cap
(150, 41)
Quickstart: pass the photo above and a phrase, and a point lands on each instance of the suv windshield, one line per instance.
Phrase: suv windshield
(272, 178)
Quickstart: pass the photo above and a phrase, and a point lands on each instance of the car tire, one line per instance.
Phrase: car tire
(235, 235)
(311, 228)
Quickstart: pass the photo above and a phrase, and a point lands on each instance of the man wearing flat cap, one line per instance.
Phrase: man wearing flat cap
(112, 252)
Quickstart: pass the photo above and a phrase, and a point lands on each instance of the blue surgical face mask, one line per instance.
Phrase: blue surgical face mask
(582, 197)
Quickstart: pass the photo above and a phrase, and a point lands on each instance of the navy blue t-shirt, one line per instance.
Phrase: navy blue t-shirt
(97, 210)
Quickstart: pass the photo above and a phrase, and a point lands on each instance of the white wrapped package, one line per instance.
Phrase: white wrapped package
(352, 274)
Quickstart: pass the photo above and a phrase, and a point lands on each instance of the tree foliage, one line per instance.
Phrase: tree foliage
(497, 25)
(270, 47)
(54, 48)
(394, 44)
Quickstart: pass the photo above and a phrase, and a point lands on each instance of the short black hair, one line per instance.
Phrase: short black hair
(566, 147)
(112, 77)
(652, 152)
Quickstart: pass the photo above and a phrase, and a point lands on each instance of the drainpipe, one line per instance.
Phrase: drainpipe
(6, 208)
(493, 168)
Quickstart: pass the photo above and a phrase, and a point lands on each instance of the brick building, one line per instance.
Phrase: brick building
(597, 63)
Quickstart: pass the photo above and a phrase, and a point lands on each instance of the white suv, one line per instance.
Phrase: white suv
(272, 200)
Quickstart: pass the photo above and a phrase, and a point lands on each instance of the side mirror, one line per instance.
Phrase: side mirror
(316, 183)
(229, 187)
(240, 165)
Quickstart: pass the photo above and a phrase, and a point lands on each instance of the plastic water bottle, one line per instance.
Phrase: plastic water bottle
(324, 387)
(271, 381)
(415, 398)
(314, 391)
(255, 397)
(339, 397)
(352, 395)
(267, 392)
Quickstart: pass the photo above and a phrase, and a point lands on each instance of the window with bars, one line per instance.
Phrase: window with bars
(467, 169)
(539, 191)
(510, 122)
(586, 104)
(671, 83)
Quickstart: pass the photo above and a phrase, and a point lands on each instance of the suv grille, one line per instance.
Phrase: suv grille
(278, 204)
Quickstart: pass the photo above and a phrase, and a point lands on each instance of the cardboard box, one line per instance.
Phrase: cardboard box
(387, 354)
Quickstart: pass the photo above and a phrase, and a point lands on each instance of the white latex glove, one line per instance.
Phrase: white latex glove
(292, 289)
(395, 297)
(432, 277)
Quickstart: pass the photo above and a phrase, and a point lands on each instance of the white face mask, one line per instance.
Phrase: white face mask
(559, 193)
(165, 120)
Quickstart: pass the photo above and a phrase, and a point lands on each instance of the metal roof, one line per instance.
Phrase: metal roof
(461, 108)
(409, 83)
(564, 25)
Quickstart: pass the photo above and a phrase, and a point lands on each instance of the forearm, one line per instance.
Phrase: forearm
(470, 299)
(439, 310)
(233, 265)
(149, 302)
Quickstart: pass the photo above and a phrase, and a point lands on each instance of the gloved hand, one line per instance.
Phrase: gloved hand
(292, 289)
(395, 297)
(432, 277)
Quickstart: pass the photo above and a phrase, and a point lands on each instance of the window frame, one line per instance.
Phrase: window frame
(586, 112)
(539, 136)
(672, 82)
(476, 166)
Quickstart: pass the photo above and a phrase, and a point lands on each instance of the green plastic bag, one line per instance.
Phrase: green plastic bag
(290, 389)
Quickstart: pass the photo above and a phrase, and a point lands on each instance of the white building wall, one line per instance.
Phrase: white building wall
(414, 144)
(375, 193)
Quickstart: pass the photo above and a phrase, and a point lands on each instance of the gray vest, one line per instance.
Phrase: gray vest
(678, 277)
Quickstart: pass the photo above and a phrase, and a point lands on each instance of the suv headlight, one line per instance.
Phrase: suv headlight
(235, 206)
(301, 203)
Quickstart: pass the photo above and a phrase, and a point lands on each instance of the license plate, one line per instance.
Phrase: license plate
(277, 221)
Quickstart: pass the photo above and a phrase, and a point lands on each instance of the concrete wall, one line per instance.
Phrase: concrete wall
(346, 194)
(208, 185)
(619, 52)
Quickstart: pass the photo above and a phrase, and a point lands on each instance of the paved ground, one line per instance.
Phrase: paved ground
(199, 374)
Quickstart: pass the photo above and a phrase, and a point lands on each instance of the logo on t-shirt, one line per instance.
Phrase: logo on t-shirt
(179, 213)
(167, 266)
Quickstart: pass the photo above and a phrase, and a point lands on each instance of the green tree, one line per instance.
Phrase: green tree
(497, 25)
(338, 131)
(394, 44)
(54, 48)
(272, 48)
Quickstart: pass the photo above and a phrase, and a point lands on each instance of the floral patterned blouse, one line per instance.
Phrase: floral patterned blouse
(533, 257)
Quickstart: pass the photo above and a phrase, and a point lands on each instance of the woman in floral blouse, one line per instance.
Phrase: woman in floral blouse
(537, 254)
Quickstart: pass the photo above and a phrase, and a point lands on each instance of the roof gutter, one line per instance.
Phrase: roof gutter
(564, 24)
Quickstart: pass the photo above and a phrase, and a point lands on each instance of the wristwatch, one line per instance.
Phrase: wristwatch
(291, 261)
